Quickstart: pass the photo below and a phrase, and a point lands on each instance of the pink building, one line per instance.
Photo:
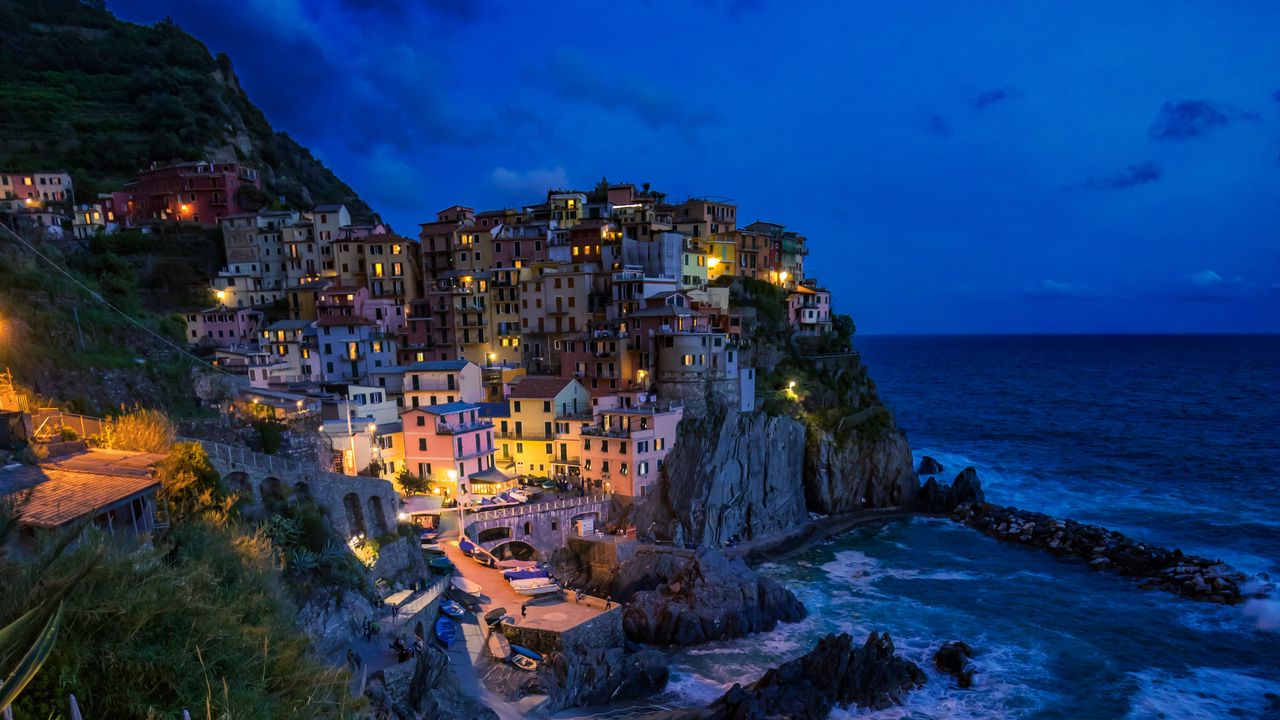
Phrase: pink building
(452, 446)
(809, 310)
(199, 192)
(223, 327)
(344, 301)
(624, 450)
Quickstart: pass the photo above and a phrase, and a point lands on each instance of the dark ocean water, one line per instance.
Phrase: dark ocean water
(1174, 440)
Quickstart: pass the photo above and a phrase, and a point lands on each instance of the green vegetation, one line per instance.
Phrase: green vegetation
(142, 430)
(412, 483)
(59, 337)
(834, 393)
(203, 620)
(101, 98)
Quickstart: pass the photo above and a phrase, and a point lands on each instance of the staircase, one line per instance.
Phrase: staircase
(9, 397)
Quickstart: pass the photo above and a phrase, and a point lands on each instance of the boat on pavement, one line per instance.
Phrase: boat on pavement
(452, 609)
(446, 631)
(524, 658)
(524, 574)
(535, 586)
(467, 587)
(499, 647)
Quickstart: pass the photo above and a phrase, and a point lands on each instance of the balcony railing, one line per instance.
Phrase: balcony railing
(447, 429)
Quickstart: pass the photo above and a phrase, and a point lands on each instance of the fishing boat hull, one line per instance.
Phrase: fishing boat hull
(499, 647)
(452, 609)
(442, 566)
(467, 587)
(524, 663)
(446, 631)
(536, 586)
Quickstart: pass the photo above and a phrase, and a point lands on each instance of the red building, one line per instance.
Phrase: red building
(199, 192)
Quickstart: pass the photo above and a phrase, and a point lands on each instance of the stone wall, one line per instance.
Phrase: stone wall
(354, 504)
(602, 631)
(545, 526)
(400, 562)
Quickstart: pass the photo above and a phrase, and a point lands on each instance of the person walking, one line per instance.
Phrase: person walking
(524, 610)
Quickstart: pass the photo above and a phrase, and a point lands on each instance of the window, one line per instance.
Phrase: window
(422, 443)
(422, 419)
(517, 406)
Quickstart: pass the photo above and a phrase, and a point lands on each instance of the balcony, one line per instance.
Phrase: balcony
(447, 429)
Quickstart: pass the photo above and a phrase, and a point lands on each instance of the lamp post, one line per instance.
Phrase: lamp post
(373, 449)
(453, 476)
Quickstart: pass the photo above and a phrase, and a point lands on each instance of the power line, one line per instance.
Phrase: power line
(92, 293)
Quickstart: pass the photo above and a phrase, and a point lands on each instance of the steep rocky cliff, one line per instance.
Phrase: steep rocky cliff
(821, 441)
(740, 474)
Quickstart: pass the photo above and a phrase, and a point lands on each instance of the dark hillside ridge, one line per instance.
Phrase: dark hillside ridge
(101, 98)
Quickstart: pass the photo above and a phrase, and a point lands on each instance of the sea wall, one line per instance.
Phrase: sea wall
(1173, 571)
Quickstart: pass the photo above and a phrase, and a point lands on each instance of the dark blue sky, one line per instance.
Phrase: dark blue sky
(958, 167)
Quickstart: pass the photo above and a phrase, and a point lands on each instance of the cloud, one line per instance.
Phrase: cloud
(529, 182)
(996, 95)
(571, 76)
(1188, 119)
(935, 124)
(1208, 285)
(1074, 290)
(1139, 174)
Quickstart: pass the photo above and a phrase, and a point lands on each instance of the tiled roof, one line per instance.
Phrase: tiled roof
(56, 493)
(538, 387)
(341, 320)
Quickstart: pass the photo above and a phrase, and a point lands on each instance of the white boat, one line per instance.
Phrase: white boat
(518, 496)
(524, 663)
(499, 647)
(535, 586)
(470, 587)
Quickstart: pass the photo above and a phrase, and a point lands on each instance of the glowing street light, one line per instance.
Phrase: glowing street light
(791, 385)
(712, 262)
(184, 208)
(782, 276)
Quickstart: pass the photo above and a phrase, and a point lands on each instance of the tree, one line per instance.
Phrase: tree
(412, 484)
(190, 485)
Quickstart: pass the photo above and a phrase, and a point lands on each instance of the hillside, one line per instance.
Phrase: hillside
(99, 97)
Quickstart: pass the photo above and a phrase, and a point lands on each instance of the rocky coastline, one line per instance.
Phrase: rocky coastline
(1189, 576)
(836, 673)
(711, 597)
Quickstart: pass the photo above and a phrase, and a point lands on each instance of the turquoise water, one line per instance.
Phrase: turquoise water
(1173, 440)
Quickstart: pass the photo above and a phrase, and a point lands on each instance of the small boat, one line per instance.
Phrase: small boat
(485, 559)
(446, 631)
(498, 646)
(517, 496)
(526, 652)
(517, 564)
(524, 663)
(467, 547)
(550, 485)
(494, 616)
(428, 539)
(441, 566)
(451, 608)
(535, 586)
(469, 587)
(529, 574)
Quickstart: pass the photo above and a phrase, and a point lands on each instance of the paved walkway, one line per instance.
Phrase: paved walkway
(557, 612)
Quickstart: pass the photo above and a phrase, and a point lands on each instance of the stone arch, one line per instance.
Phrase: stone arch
(514, 550)
(272, 490)
(238, 482)
(355, 517)
(377, 516)
(593, 515)
(501, 532)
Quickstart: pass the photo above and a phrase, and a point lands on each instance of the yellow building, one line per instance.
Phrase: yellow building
(528, 440)
(722, 256)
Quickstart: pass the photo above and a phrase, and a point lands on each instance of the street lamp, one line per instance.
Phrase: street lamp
(491, 356)
(453, 477)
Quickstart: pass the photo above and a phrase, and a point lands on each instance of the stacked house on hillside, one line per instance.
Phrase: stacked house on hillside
(565, 339)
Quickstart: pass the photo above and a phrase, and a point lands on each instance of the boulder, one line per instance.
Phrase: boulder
(836, 673)
(966, 489)
(710, 598)
(583, 677)
(423, 689)
(953, 659)
(929, 466)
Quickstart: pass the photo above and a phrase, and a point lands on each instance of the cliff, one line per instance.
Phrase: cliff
(821, 442)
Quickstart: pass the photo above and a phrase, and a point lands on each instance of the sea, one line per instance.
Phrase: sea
(1174, 440)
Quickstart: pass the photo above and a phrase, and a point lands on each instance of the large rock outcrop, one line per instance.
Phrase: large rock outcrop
(710, 598)
(938, 499)
(424, 689)
(583, 677)
(836, 673)
(741, 475)
(859, 469)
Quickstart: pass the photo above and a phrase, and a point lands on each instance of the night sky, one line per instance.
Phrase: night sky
(965, 167)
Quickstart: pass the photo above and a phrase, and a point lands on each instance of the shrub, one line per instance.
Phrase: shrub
(142, 430)
(191, 487)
